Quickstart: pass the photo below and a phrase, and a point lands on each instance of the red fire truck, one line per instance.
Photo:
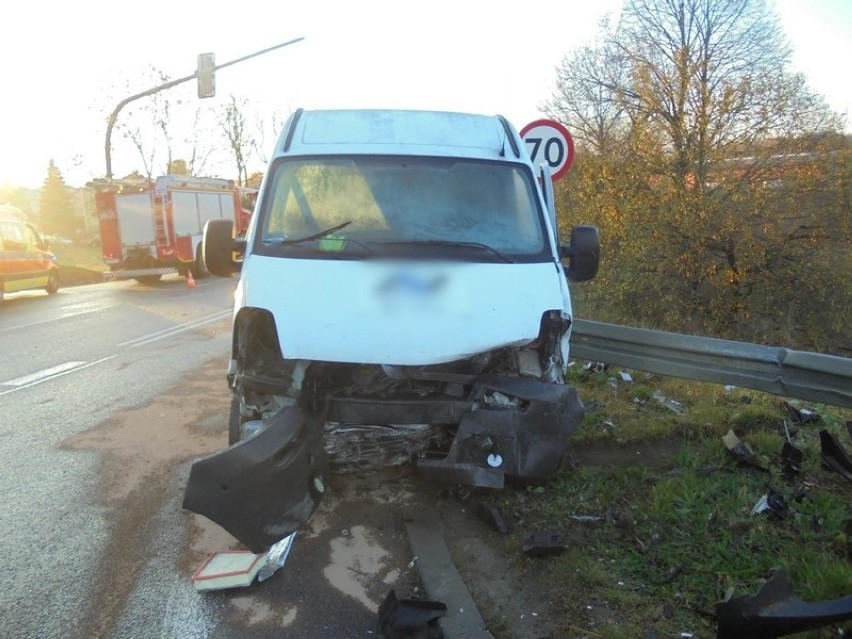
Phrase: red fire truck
(155, 229)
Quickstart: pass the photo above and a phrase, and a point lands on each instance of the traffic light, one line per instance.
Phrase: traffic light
(206, 74)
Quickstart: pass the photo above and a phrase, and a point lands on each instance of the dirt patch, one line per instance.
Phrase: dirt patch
(140, 450)
(657, 454)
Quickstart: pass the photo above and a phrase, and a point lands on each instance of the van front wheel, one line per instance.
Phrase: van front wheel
(52, 283)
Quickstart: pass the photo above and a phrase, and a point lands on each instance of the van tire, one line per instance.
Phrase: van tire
(52, 283)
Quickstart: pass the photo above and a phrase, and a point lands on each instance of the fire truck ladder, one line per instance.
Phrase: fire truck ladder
(161, 231)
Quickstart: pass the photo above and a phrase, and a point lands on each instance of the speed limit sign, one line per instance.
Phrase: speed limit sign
(549, 142)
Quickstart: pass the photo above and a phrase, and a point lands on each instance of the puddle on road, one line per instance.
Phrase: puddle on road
(357, 562)
(140, 448)
(253, 612)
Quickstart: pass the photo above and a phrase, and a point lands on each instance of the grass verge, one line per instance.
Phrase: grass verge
(79, 264)
(671, 540)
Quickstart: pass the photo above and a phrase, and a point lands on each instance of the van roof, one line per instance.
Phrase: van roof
(398, 132)
(8, 212)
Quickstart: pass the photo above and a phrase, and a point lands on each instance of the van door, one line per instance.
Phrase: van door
(14, 257)
(39, 259)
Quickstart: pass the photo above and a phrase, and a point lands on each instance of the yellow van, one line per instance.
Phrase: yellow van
(25, 259)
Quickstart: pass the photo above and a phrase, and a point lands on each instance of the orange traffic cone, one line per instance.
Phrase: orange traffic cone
(190, 281)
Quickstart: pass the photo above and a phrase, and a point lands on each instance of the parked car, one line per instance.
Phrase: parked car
(25, 258)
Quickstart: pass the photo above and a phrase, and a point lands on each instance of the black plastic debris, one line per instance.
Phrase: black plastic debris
(542, 544)
(773, 503)
(834, 455)
(791, 460)
(742, 452)
(410, 618)
(492, 515)
(775, 611)
(802, 415)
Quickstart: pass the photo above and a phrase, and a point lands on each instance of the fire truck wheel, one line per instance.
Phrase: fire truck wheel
(200, 268)
(52, 283)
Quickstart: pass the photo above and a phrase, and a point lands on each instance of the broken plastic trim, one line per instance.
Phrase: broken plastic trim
(263, 488)
(526, 442)
(775, 611)
(834, 455)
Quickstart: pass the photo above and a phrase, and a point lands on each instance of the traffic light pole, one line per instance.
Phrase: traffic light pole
(168, 85)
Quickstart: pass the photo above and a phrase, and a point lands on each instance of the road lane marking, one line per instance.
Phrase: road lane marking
(47, 372)
(28, 381)
(174, 330)
(54, 319)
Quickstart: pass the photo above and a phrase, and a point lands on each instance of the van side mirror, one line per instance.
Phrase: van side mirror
(582, 256)
(219, 246)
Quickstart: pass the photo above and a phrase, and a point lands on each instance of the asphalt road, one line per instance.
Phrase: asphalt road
(107, 393)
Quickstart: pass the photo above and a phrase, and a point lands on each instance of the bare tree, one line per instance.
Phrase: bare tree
(234, 124)
(267, 133)
(142, 125)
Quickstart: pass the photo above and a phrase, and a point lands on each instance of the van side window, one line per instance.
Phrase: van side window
(31, 238)
(13, 237)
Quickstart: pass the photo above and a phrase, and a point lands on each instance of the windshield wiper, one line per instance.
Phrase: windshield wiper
(450, 243)
(319, 235)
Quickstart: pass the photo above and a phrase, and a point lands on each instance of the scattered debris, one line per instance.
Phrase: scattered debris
(834, 455)
(775, 611)
(276, 557)
(586, 518)
(791, 460)
(238, 568)
(595, 367)
(671, 404)
(542, 544)
(741, 451)
(492, 514)
(228, 569)
(625, 376)
(802, 416)
(410, 618)
(772, 502)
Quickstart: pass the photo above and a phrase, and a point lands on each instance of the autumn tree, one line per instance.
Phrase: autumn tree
(697, 145)
(56, 208)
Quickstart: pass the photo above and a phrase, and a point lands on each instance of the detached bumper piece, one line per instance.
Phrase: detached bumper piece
(410, 618)
(775, 611)
(524, 436)
(262, 489)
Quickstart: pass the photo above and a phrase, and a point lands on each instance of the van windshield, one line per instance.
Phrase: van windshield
(345, 208)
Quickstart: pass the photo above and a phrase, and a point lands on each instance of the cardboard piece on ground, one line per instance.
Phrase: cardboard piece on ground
(228, 569)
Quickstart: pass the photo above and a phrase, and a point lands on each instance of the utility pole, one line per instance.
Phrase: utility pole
(204, 73)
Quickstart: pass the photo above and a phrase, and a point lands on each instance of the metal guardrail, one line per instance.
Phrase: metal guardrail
(803, 375)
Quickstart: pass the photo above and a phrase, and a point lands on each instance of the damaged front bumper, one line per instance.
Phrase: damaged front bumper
(263, 488)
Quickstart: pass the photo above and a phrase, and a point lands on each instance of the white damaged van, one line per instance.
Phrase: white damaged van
(402, 297)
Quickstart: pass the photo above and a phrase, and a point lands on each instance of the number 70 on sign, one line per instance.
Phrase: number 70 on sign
(548, 142)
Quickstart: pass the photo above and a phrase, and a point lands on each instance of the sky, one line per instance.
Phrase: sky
(65, 65)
